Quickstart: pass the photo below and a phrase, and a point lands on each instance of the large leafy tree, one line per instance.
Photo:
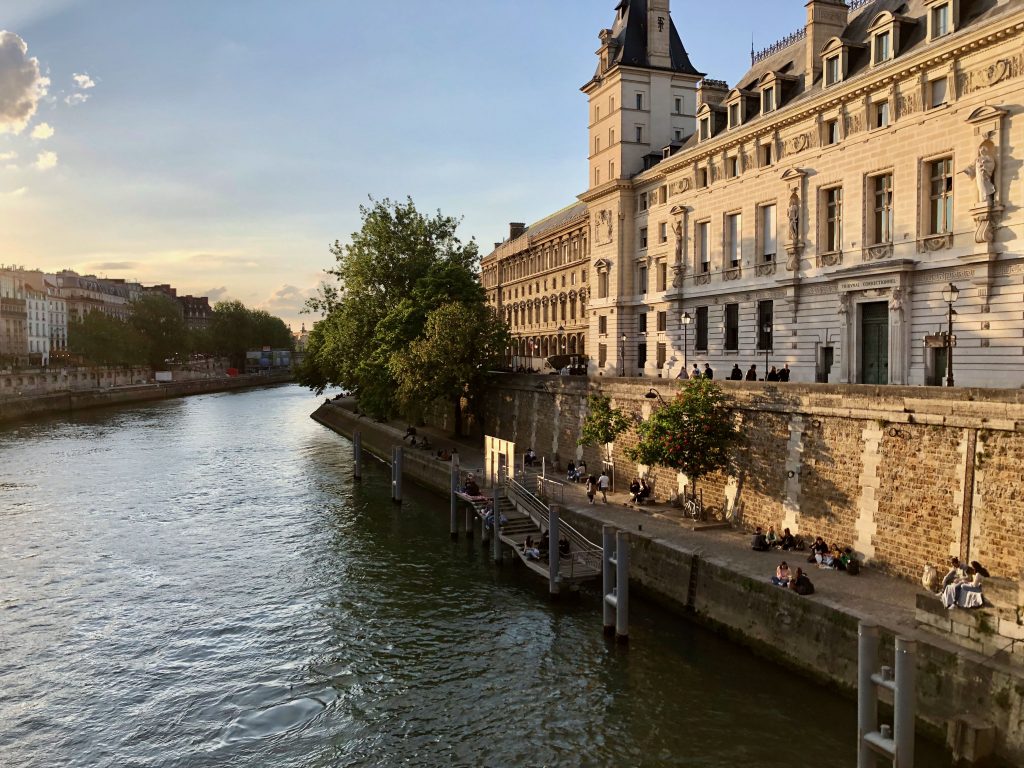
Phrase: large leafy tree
(235, 329)
(159, 322)
(400, 266)
(694, 434)
(603, 423)
(460, 344)
(103, 340)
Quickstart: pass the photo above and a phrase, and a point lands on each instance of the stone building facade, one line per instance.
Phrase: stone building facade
(825, 212)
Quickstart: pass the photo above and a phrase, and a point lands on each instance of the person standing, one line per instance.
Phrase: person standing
(695, 373)
(736, 374)
(773, 375)
(591, 488)
(709, 372)
(752, 373)
(784, 373)
(603, 483)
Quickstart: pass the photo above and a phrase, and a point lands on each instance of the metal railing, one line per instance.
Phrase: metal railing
(550, 490)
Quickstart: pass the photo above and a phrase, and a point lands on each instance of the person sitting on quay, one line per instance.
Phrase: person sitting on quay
(965, 592)
(529, 457)
(444, 454)
(752, 373)
(634, 490)
(410, 432)
(709, 372)
(772, 537)
(956, 572)
(759, 543)
(581, 470)
(736, 374)
(782, 575)
(564, 547)
(784, 373)
(470, 488)
(773, 375)
(530, 549)
(818, 550)
(545, 543)
(570, 471)
(801, 584)
(788, 540)
(645, 491)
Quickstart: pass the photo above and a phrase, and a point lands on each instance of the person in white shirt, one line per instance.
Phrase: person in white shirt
(603, 483)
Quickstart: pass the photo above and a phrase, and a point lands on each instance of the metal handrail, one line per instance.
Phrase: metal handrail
(583, 551)
(550, 489)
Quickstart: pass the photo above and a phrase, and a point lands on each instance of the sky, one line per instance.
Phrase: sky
(222, 146)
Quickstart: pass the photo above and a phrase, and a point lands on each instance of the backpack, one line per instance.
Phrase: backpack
(853, 567)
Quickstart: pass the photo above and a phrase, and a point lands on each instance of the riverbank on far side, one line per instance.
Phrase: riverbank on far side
(714, 577)
(27, 406)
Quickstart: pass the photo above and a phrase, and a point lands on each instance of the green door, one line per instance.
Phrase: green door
(874, 343)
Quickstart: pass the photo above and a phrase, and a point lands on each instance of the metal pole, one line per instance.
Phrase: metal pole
(867, 699)
(454, 522)
(622, 586)
(686, 328)
(607, 577)
(543, 467)
(397, 469)
(949, 346)
(496, 525)
(904, 704)
(357, 454)
(553, 534)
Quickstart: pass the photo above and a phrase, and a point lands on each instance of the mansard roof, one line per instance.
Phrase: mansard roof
(630, 34)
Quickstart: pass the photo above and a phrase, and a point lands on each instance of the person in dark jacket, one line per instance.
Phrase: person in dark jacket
(752, 373)
(709, 372)
(736, 374)
(801, 584)
(759, 543)
(784, 373)
(773, 375)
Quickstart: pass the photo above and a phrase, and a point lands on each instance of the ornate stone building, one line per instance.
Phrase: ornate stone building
(817, 212)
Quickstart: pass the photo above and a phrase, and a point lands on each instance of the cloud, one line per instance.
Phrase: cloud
(288, 301)
(83, 81)
(76, 98)
(5, 156)
(42, 131)
(21, 83)
(46, 160)
(19, 192)
(114, 266)
(216, 294)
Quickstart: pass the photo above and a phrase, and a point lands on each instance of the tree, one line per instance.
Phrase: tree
(235, 329)
(398, 268)
(103, 340)
(158, 320)
(694, 434)
(460, 344)
(603, 424)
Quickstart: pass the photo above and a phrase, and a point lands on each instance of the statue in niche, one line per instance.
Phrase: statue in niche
(677, 230)
(793, 214)
(844, 303)
(896, 300)
(983, 172)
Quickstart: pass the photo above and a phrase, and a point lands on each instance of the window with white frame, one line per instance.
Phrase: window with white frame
(703, 232)
(769, 230)
(643, 237)
(732, 167)
(833, 70)
(881, 48)
(940, 20)
(881, 193)
(833, 219)
(881, 109)
(768, 99)
(663, 232)
(940, 219)
(734, 114)
(832, 131)
(734, 239)
(662, 276)
(937, 92)
(705, 128)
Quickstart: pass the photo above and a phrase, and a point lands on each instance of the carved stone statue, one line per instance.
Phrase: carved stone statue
(793, 214)
(896, 300)
(844, 303)
(677, 230)
(983, 171)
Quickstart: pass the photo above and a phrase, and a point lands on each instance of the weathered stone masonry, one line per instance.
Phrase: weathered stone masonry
(906, 476)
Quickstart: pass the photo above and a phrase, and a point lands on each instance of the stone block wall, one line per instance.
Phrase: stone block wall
(904, 475)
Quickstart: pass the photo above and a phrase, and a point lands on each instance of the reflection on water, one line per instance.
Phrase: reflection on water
(198, 583)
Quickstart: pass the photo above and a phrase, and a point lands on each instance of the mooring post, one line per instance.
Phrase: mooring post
(608, 577)
(543, 467)
(396, 469)
(904, 702)
(357, 454)
(622, 586)
(867, 697)
(454, 522)
(499, 492)
(554, 585)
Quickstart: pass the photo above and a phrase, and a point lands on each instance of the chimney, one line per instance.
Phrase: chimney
(825, 19)
(712, 92)
(658, 26)
(515, 229)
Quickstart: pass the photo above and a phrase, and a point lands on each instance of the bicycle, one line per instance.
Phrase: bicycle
(693, 508)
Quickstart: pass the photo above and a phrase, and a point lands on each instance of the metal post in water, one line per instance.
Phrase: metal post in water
(622, 586)
(454, 478)
(496, 524)
(607, 577)
(357, 454)
(554, 585)
(396, 468)
(904, 704)
(867, 697)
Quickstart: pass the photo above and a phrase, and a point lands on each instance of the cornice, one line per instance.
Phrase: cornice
(616, 185)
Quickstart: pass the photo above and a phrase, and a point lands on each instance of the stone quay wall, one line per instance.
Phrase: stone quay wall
(25, 406)
(904, 475)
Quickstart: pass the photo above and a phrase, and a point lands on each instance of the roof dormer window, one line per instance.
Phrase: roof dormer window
(881, 48)
(734, 114)
(835, 58)
(768, 99)
(833, 70)
(943, 17)
(705, 128)
(886, 30)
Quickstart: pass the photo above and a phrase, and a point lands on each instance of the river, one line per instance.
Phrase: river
(198, 582)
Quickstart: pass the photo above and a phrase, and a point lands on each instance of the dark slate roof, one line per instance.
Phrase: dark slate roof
(630, 31)
(556, 219)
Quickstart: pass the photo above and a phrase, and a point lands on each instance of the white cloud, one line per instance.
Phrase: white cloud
(22, 83)
(46, 160)
(5, 156)
(216, 294)
(19, 192)
(83, 81)
(76, 98)
(42, 131)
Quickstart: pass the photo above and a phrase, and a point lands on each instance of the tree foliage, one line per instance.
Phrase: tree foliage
(161, 329)
(104, 340)
(235, 329)
(694, 434)
(399, 268)
(603, 424)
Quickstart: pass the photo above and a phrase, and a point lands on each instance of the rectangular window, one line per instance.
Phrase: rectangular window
(766, 155)
(639, 101)
(611, 170)
(641, 202)
(663, 232)
(734, 238)
(705, 129)
(677, 134)
(641, 279)
(678, 106)
(832, 132)
(832, 71)
(602, 285)
(602, 324)
(662, 275)
(661, 355)
(662, 318)
(641, 355)
(768, 99)
(883, 208)
(732, 326)
(641, 322)
(597, 176)
(639, 134)
(764, 325)
(597, 144)
(703, 247)
(768, 233)
(734, 115)
(883, 47)
(643, 237)
(701, 339)
(882, 114)
(941, 218)
(938, 92)
(732, 167)
(702, 178)
(834, 219)
(602, 355)
(940, 20)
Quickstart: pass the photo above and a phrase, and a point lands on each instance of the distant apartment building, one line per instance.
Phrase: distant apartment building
(87, 293)
(13, 319)
(57, 315)
(196, 312)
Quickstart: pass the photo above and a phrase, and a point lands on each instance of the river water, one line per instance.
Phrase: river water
(198, 582)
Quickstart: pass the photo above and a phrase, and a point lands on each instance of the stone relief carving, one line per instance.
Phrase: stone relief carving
(765, 270)
(877, 252)
(896, 300)
(678, 272)
(908, 104)
(731, 274)
(603, 226)
(702, 279)
(935, 243)
(800, 142)
(844, 303)
(830, 259)
(993, 74)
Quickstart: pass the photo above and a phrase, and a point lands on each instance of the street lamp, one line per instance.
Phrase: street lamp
(766, 331)
(652, 393)
(622, 355)
(685, 321)
(949, 295)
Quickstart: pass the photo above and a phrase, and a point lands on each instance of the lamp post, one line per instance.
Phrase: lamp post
(766, 331)
(949, 295)
(622, 355)
(685, 321)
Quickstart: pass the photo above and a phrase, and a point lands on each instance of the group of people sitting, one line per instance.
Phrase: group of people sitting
(762, 542)
(774, 374)
(834, 557)
(470, 487)
(410, 435)
(962, 585)
(787, 579)
(576, 472)
(535, 550)
(639, 490)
